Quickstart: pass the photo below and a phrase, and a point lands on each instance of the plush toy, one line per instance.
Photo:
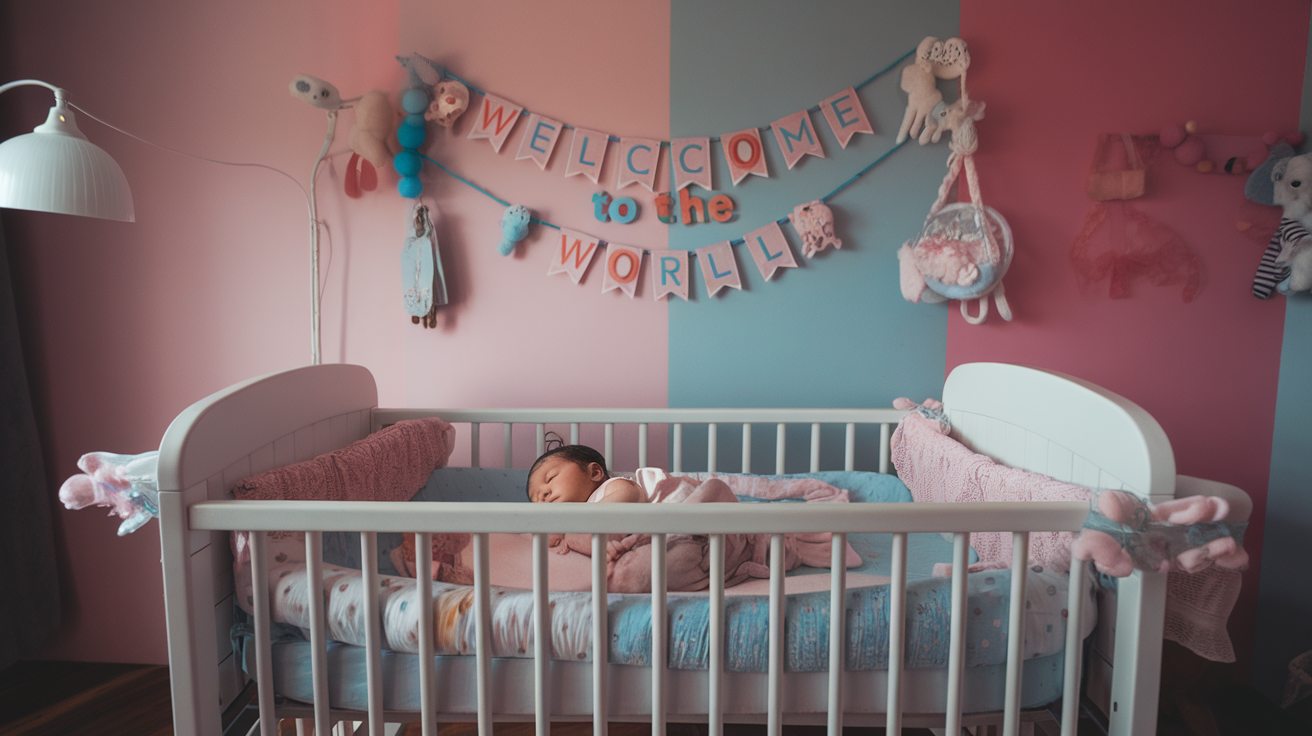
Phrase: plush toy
(514, 228)
(372, 143)
(1188, 534)
(450, 100)
(814, 221)
(127, 484)
(934, 60)
(1284, 180)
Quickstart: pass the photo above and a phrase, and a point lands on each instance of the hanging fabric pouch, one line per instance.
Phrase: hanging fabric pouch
(1117, 172)
(422, 282)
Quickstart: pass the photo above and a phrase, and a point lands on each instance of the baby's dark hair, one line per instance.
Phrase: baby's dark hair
(580, 455)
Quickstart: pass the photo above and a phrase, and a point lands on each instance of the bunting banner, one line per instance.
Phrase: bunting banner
(690, 162)
(796, 137)
(573, 255)
(744, 154)
(540, 136)
(769, 249)
(669, 273)
(493, 120)
(623, 263)
(718, 267)
(638, 160)
(845, 116)
(586, 153)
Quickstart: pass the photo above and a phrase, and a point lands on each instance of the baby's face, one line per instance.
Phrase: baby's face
(558, 480)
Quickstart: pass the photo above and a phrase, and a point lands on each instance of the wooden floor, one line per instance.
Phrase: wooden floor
(86, 699)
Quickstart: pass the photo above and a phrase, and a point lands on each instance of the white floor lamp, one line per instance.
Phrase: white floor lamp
(56, 169)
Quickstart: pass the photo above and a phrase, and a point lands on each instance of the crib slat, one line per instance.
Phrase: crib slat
(659, 659)
(642, 445)
(715, 700)
(507, 442)
(483, 633)
(779, 449)
(897, 624)
(837, 629)
(610, 445)
(599, 643)
(1070, 692)
(747, 448)
(424, 599)
(849, 448)
(263, 648)
(1020, 554)
(774, 716)
(815, 447)
(678, 447)
(318, 636)
(541, 637)
(885, 432)
(957, 642)
(474, 449)
(712, 446)
(574, 433)
(542, 439)
(373, 641)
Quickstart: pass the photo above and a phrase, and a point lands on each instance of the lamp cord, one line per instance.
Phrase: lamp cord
(317, 292)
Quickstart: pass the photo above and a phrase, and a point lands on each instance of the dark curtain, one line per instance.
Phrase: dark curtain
(29, 589)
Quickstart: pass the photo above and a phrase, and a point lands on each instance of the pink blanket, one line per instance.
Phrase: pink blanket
(391, 464)
(687, 557)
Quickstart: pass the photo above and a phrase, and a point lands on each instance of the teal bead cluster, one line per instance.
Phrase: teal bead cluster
(411, 134)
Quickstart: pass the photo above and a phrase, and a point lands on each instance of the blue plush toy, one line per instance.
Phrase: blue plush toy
(514, 228)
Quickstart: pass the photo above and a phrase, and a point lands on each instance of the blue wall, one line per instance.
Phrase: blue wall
(836, 331)
(1284, 614)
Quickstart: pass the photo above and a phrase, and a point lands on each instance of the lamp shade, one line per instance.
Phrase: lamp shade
(56, 169)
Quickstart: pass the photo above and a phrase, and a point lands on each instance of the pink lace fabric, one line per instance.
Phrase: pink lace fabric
(936, 467)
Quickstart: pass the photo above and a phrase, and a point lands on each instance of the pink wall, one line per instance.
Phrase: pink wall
(1054, 77)
(513, 336)
(127, 324)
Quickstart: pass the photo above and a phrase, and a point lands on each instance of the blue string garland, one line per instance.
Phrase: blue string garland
(443, 71)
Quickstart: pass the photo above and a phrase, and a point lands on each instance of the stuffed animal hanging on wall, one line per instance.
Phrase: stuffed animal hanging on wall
(423, 282)
(1284, 180)
(964, 249)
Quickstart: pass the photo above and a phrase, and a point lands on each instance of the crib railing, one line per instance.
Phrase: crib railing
(676, 419)
(713, 520)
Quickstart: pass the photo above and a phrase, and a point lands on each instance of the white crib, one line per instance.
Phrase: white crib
(1023, 417)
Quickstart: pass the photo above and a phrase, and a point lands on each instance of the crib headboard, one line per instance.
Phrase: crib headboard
(1020, 417)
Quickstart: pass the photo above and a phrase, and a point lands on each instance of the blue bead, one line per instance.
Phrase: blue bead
(414, 100)
(407, 163)
(415, 119)
(410, 187)
(411, 136)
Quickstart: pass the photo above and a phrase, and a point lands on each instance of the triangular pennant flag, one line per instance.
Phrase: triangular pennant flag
(586, 153)
(690, 162)
(493, 120)
(638, 159)
(669, 273)
(718, 267)
(540, 136)
(745, 154)
(573, 255)
(623, 263)
(845, 115)
(769, 248)
(796, 137)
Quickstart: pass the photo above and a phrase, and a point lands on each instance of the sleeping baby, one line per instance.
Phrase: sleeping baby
(577, 474)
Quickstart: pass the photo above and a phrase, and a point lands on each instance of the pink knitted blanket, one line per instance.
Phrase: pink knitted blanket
(391, 464)
(936, 467)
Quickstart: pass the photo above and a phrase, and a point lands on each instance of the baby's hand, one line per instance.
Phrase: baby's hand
(615, 548)
(557, 544)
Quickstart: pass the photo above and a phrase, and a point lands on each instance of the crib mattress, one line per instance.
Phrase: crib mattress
(806, 621)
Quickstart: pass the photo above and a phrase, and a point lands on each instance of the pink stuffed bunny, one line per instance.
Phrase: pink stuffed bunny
(127, 484)
(1154, 545)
